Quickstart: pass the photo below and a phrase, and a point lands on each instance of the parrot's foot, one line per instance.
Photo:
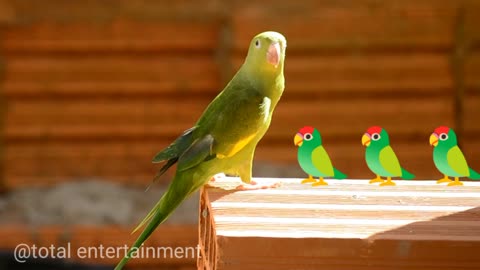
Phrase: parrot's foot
(376, 180)
(218, 176)
(308, 180)
(255, 186)
(389, 182)
(320, 182)
(444, 180)
(455, 183)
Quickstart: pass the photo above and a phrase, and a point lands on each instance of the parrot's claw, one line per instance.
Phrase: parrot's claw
(376, 180)
(254, 186)
(444, 180)
(455, 183)
(218, 176)
(308, 180)
(320, 183)
(388, 183)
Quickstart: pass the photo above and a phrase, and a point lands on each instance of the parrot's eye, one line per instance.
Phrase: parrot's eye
(257, 43)
(376, 137)
(443, 136)
(308, 137)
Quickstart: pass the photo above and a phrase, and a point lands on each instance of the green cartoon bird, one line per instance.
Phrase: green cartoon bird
(448, 157)
(381, 159)
(226, 135)
(313, 158)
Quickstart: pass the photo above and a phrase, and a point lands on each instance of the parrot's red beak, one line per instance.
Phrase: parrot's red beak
(273, 54)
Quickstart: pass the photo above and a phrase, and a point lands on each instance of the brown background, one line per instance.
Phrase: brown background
(96, 88)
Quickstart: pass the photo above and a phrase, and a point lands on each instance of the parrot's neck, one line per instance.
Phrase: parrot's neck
(268, 83)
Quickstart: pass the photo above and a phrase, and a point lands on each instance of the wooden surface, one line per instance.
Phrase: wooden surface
(346, 225)
(98, 90)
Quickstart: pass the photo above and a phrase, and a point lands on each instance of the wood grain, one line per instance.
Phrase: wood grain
(346, 225)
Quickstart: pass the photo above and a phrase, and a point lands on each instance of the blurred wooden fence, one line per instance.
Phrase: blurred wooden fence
(95, 89)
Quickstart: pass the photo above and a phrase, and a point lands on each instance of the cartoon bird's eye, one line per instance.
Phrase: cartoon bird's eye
(376, 137)
(257, 43)
(308, 137)
(443, 136)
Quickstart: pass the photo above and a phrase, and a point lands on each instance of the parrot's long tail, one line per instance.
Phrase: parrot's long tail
(338, 174)
(407, 175)
(170, 200)
(474, 175)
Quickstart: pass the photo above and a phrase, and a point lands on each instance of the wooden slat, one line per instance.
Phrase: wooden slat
(378, 73)
(351, 117)
(124, 68)
(347, 225)
(471, 114)
(106, 112)
(118, 36)
(326, 24)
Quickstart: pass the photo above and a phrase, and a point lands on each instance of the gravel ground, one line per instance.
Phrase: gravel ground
(98, 202)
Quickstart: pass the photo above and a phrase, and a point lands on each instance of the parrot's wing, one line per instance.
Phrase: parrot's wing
(172, 153)
(321, 161)
(456, 160)
(389, 161)
(200, 150)
(175, 149)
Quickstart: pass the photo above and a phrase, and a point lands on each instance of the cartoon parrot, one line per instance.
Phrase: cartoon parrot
(225, 136)
(448, 157)
(380, 157)
(313, 158)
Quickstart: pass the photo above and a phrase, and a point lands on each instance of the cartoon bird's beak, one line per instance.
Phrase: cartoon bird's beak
(433, 139)
(298, 140)
(366, 139)
(273, 54)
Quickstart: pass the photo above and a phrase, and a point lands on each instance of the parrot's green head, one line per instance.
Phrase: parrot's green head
(265, 59)
(307, 137)
(443, 137)
(376, 137)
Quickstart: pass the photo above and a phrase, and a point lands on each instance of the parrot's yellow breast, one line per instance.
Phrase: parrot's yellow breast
(238, 146)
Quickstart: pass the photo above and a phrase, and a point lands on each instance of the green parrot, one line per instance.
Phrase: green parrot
(225, 136)
(313, 158)
(380, 157)
(448, 157)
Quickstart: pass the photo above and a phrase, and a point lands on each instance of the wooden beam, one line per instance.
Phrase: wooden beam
(348, 224)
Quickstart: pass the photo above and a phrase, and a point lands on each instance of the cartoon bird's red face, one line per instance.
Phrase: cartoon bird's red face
(440, 133)
(373, 133)
(304, 133)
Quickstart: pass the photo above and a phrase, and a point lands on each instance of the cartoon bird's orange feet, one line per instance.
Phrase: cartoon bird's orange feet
(388, 183)
(376, 180)
(455, 183)
(255, 186)
(308, 180)
(320, 182)
(444, 180)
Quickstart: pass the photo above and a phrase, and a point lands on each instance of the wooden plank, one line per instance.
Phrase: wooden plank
(338, 117)
(105, 112)
(346, 225)
(122, 68)
(471, 114)
(378, 73)
(114, 37)
(119, 89)
(83, 237)
(325, 25)
(351, 117)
